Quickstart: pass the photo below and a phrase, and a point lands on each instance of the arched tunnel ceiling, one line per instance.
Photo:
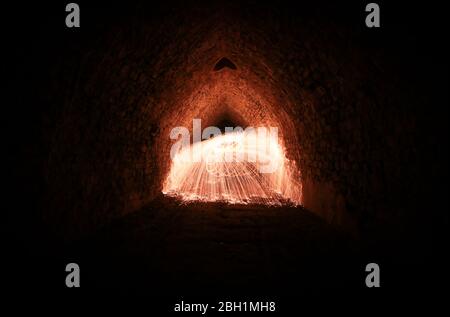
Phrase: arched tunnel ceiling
(250, 93)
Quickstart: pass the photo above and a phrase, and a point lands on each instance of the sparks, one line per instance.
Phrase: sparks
(234, 168)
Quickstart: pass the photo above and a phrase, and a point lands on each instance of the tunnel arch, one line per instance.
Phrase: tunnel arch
(130, 91)
(242, 99)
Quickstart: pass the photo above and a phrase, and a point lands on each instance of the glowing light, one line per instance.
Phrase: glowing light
(236, 168)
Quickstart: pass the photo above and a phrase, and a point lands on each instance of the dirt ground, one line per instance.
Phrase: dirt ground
(203, 247)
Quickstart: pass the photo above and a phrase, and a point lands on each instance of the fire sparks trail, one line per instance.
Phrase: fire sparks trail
(235, 168)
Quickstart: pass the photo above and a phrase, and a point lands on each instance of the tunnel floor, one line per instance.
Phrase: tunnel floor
(202, 247)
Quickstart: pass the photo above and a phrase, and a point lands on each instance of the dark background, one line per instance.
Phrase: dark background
(412, 37)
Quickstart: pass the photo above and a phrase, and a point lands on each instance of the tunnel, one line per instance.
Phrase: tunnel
(357, 143)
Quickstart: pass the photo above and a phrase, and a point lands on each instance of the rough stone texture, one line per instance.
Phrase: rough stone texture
(350, 116)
